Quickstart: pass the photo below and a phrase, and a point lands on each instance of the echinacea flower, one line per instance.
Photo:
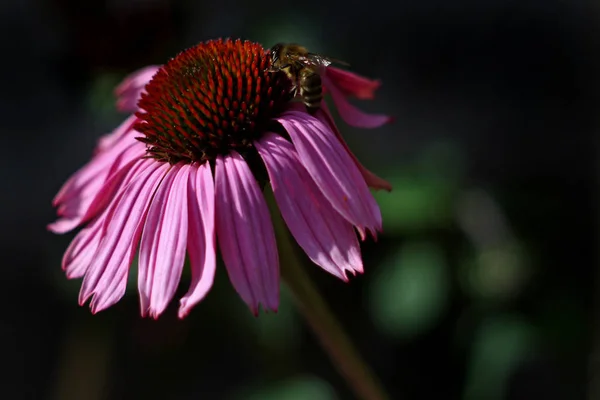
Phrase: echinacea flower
(209, 130)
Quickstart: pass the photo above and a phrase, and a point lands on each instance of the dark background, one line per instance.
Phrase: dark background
(482, 286)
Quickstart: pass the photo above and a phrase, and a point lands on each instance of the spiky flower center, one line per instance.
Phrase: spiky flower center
(210, 99)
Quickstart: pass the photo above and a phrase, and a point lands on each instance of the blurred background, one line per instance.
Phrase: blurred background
(483, 285)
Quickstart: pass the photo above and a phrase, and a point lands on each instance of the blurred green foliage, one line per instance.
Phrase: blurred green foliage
(424, 192)
(279, 332)
(410, 290)
(500, 344)
(101, 100)
(497, 273)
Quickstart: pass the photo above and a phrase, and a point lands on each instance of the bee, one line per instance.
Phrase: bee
(303, 69)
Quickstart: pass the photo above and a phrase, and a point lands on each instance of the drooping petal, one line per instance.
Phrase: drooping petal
(324, 115)
(80, 253)
(95, 170)
(78, 210)
(245, 234)
(134, 151)
(351, 84)
(201, 236)
(350, 114)
(373, 181)
(123, 131)
(326, 237)
(77, 194)
(71, 212)
(106, 278)
(163, 243)
(128, 92)
(333, 170)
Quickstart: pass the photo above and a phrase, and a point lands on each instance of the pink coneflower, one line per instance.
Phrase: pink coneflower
(211, 128)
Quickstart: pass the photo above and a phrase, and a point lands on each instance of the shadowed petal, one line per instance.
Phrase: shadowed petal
(201, 236)
(350, 114)
(326, 237)
(333, 170)
(106, 278)
(373, 181)
(162, 248)
(128, 92)
(351, 84)
(245, 234)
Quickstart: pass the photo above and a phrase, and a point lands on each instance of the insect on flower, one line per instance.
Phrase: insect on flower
(304, 70)
(181, 175)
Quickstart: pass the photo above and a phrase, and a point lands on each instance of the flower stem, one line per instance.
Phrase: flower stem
(322, 321)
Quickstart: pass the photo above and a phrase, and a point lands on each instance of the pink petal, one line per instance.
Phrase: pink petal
(72, 211)
(88, 179)
(79, 210)
(245, 234)
(76, 195)
(80, 253)
(351, 84)
(373, 181)
(326, 237)
(201, 236)
(106, 278)
(333, 170)
(164, 239)
(132, 151)
(350, 114)
(122, 131)
(129, 91)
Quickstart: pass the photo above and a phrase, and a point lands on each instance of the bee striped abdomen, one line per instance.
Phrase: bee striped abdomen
(311, 89)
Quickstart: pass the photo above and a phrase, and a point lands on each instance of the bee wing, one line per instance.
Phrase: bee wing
(316, 59)
(312, 59)
(339, 62)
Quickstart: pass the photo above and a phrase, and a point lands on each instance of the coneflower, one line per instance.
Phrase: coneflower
(186, 171)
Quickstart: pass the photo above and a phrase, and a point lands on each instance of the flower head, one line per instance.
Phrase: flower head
(186, 171)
